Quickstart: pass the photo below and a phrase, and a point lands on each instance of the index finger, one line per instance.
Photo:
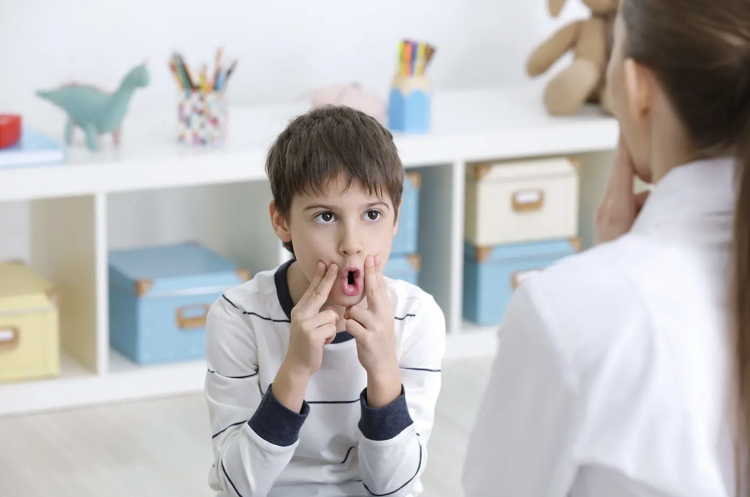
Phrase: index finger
(320, 293)
(320, 271)
(384, 296)
(372, 285)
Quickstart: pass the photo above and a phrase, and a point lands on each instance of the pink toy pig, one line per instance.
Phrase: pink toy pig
(351, 95)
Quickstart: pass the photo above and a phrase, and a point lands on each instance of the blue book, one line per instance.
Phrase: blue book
(32, 149)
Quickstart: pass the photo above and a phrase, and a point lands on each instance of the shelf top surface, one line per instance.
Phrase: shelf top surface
(467, 125)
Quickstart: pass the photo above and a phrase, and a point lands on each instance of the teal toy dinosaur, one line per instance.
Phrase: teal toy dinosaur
(95, 111)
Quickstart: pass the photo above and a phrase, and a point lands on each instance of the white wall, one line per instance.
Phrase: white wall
(284, 48)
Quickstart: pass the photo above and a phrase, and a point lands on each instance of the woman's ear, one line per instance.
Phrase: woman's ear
(555, 6)
(640, 89)
(279, 224)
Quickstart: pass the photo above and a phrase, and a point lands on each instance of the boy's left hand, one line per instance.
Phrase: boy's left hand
(372, 328)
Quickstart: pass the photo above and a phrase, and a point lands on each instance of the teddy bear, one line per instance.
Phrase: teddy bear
(583, 80)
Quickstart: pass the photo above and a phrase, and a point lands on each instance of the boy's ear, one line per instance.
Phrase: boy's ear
(280, 226)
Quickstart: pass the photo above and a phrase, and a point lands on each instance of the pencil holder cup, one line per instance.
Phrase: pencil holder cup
(409, 104)
(202, 118)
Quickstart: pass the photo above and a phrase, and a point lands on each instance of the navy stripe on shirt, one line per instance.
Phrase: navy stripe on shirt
(424, 369)
(230, 480)
(250, 313)
(230, 426)
(233, 377)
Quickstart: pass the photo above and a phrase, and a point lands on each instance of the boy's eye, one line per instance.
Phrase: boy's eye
(373, 215)
(324, 217)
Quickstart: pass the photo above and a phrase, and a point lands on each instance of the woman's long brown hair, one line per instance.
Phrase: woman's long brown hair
(699, 51)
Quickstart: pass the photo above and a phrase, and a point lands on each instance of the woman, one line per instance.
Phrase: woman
(625, 370)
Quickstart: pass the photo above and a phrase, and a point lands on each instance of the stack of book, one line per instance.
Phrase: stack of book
(32, 149)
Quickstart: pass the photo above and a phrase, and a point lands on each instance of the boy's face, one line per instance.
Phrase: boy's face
(341, 227)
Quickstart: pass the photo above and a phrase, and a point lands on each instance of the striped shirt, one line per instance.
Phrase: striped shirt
(336, 445)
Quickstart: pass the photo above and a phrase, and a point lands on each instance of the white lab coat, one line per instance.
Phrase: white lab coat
(612, 373)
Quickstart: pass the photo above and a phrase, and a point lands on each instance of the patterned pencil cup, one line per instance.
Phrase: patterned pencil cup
(202, 118)
(409, 104)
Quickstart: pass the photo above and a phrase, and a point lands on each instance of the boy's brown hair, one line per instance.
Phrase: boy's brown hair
(331, 142)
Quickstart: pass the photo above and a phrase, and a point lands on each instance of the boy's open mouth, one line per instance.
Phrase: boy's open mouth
(351, 282)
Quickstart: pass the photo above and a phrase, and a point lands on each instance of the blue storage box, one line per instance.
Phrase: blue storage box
(404, 267)
(405, 241)
(409, 105)
(159, 298)
(491, 274)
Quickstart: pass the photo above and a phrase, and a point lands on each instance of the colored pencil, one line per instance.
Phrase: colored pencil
(217, 67)
(180, 66)
(419, 68)
(229, 73)
(414, 57)
(202, 80)
(186, 71)
(173, 70)
(408, 57)
(401, 70)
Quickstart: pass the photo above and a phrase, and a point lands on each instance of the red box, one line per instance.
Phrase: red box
(10, 130)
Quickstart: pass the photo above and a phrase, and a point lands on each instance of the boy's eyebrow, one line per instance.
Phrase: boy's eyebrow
(373, 204)
(318, 206)
(328, 207)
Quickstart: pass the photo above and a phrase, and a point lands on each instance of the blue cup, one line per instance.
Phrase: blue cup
(409, 105)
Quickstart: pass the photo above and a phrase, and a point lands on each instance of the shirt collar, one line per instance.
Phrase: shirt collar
(700, 193)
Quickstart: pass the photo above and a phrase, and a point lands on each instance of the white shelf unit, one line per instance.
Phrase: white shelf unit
(152, 190)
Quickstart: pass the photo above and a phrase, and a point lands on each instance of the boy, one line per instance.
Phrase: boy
(323, 374)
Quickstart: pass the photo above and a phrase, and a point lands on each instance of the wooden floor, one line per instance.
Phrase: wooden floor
(162, 448)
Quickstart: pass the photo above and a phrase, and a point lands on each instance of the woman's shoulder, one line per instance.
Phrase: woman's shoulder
(600, 273)
(586, 304)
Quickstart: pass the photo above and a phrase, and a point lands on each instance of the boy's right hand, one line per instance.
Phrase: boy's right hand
(312, 329)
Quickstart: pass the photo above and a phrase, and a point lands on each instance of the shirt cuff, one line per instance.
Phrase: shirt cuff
(384, 423)
(277, 424)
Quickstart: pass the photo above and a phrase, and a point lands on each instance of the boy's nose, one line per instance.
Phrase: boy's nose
(350, 244)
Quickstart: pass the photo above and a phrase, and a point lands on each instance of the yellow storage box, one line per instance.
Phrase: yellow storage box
(29, 324)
